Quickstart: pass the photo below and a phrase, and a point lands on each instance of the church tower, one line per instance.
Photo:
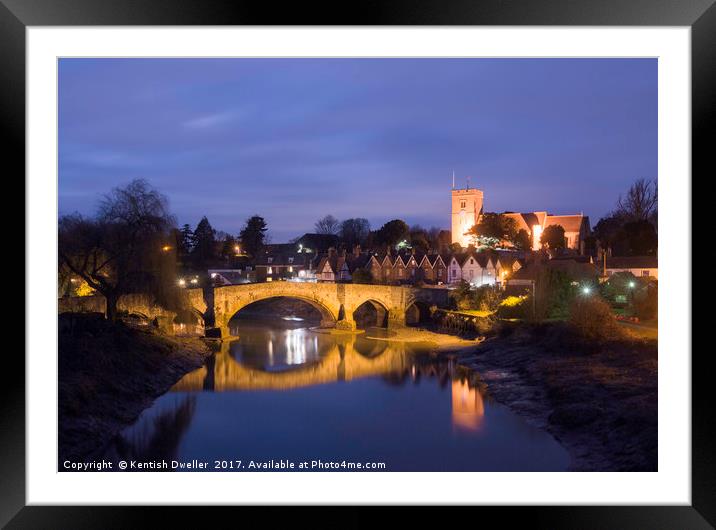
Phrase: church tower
(466, 212)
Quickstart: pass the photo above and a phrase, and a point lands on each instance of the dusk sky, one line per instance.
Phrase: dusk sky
(295, 139)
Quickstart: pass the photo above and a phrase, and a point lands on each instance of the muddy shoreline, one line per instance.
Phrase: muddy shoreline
(108, 374)
(598, 401)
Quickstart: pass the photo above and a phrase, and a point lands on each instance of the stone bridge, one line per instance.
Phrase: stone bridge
(336, 302)
(140, 305)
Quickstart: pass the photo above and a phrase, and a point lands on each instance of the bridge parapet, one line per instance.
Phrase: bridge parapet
(135, 304)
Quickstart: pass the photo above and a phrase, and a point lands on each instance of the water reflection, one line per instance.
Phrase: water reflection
(293, 393)
(468, 407)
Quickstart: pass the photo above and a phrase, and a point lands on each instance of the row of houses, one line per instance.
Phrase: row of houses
(477, 268)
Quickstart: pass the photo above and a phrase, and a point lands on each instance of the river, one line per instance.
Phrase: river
(280, 392)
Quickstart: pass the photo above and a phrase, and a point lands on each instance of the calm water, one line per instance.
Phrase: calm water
(283, 392)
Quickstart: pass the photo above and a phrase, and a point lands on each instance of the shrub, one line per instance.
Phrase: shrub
(486, 298)
(618, 288)
(514, 307)
(555, 290)
(646, 302)
(592, 319)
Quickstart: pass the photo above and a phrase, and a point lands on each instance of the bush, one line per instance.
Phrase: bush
(592, 319)
(486, 298)
(515, 307)
(646, 302)
(555, 291)
(483, 298)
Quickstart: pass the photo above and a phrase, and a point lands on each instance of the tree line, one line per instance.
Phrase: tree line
(394, 234)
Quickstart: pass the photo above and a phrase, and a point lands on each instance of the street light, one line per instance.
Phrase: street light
(166, 248)
(586, 289)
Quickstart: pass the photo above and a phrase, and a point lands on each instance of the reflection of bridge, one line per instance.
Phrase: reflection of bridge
(342, 362)
(337, 302)
(347, 359)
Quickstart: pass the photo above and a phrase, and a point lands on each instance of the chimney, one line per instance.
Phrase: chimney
(356, 251)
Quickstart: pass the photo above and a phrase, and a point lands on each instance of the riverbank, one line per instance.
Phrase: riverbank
(598, 400)
(109, 373)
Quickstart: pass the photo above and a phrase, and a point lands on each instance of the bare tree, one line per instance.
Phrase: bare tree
(640, 203)
(354, 231)
(123, 249)
(327, 225)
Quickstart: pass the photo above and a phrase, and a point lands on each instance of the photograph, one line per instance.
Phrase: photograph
(358, 264)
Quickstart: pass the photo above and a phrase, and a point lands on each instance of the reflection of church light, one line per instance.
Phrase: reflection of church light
(468, 408)
(295, 347)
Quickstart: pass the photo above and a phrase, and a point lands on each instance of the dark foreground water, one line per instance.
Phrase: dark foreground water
(282, 394)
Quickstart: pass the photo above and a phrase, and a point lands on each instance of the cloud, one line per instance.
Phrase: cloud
(208, 121)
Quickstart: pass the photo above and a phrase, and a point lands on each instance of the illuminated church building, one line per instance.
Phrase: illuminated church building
(467, 207)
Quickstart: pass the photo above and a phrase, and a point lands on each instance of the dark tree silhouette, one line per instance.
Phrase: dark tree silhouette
(253, 235)
(640, 202)
(354, 231)
(494, 225)
(392, 233)
(522, 240)
(553, 237)
(204, 251)
(328, 225)
(123, 249)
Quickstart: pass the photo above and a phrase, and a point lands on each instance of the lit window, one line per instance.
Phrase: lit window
(270, 270)
(270, 260)
(290, 260)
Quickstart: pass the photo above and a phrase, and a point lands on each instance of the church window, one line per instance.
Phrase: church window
(462, 204)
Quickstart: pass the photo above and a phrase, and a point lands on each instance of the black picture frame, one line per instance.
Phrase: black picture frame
(699, 15)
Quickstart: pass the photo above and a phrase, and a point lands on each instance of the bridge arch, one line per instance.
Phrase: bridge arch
(371, 313)
(328, 317)
(418, 312)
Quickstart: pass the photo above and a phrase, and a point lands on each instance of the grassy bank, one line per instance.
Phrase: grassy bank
(108, 373)
(599, 399)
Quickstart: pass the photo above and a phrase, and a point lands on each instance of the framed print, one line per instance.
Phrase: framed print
(412, 258)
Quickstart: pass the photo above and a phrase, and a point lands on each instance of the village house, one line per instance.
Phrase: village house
(285, 264)
(333, 267)
(579, 270)
(640, 266)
